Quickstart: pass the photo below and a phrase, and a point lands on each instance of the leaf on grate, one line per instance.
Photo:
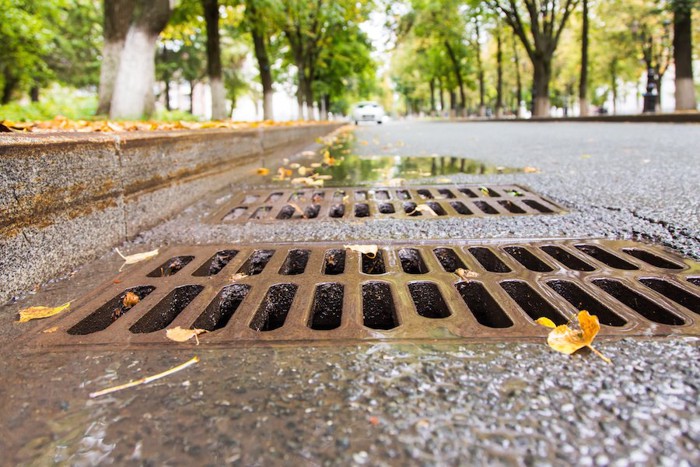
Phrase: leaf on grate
(130, 299)
(50, 330)
(465, 274)
(145, 380)
(424, 208)
(136, 258)
(369, 250)
(298, 209)
(179, 334)
(485, 191)
(236, 277)
(40, 312)
(568, 339)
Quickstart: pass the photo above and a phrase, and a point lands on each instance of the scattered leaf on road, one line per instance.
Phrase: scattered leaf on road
(40, 312)
(145, 380)
(369, 250)
(136, 258)
(531, 170)
(566, 339)
(179, 334)
(263, 171)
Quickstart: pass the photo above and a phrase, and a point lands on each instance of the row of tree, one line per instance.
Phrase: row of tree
(126, 46)
(565, 46)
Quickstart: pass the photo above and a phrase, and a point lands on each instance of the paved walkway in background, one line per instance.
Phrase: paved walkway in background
(411, 404)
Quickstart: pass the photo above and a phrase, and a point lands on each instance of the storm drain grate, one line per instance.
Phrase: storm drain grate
(315, 292)
(383, 203)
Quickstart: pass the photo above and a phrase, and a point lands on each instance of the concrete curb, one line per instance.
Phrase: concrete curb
(66, 198)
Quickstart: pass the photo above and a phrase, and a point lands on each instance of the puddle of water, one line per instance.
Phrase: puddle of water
(352, 170)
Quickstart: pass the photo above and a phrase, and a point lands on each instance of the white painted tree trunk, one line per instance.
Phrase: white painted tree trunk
(310, 111)
(583, 107)
(685, 94)
(267, 106)
(111, 55)
(218, 99)
(133, 90)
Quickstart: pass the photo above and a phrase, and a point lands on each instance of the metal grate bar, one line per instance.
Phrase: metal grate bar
(408, 291)
(383, 203)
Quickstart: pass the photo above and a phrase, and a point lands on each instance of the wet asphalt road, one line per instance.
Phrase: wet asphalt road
(381, 404)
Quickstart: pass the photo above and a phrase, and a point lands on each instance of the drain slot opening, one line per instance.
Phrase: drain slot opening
(652, 259)
(262, 212)
(567, 259)
(327, 308)
(167, 309)
(373, 264)
(527, 259)
(386, 208)
(378, 308)
(694, 281)
(256, 263)
(311, 212)
(409, 208)
(381, 195)
(489, 260)
(425, 194)
(403, 194)
(235, 213)
(221, 309)
(336, 211)
(468, 192)
(250, 199)
(109, 312)
(216, 263)
(437, 209)
(461, 208)
(537, 206)
(361, 195)
(606, 257)
(638, 302)
(482, 305)
(582, 301)
(274, 197)
(531, 302)
(448, 259)
(412, 261)
(334, 262)
(428, 300)
(485, 207)
(171, 266)
(274, 308)
(362, 210)
(295, 263)
(287, 212)
(675, 293)
(446, 193)
(512, 207)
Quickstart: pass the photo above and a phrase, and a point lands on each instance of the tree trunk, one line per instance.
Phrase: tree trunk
(259, 43)
(192, 85)
(458, 76)
(442, 98)
(499, 73)
(518, 80)
(583, 82)
(540, 85)
(218, 93)
(133, 98)
(309, 99)
(683, 55)
(167, 94)
(117, 17)
(480, 69)
(432, 96)
(34, 93)
(9, 87)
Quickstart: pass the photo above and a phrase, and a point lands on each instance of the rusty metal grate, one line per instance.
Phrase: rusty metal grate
(383, 203)
(317, 292)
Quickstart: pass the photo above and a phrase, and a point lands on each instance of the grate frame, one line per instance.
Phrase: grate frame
(273, 205)
(462, 322)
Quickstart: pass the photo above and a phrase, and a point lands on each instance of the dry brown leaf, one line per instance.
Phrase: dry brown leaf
(531, 170)
(566, 339)
(50, 330)
(40, 312)
(179, 334)
(130, 299)
(424, 208)
(466, 274)
(238, 276)
(136, 258)
(369, 250)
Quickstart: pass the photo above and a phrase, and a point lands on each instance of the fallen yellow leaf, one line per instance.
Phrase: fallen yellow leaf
(531, 170)
(136, 258)
(263, 171)
(130, 299)
(238, 276)
(424, 208)
(568, 340)
(40, 312)
(369, 250)
(179, 334)
(465, 274)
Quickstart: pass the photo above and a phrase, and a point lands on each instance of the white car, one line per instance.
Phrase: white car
(368, 112)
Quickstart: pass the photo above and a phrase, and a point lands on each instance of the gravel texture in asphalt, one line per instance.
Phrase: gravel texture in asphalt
(382, 403)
